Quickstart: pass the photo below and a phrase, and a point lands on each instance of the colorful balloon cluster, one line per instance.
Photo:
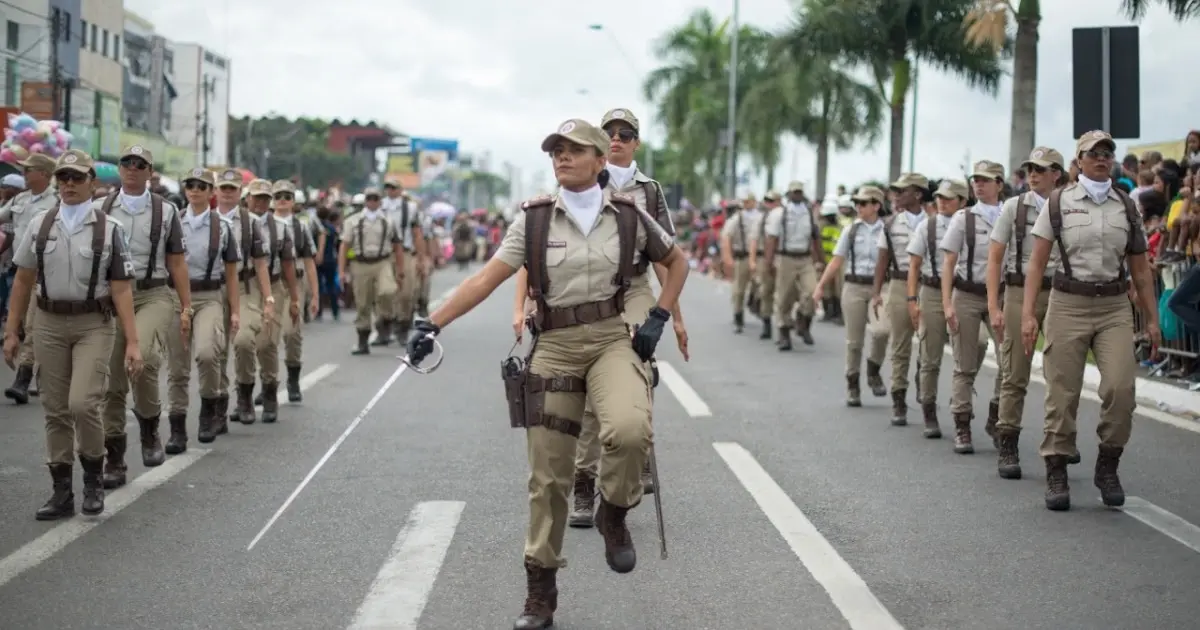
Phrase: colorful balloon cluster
(25, 136)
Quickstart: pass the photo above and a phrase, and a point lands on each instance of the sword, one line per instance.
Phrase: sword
(441, 355)
(662, 533)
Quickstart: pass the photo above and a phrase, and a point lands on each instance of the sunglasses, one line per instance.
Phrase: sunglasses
(860, 202)
(195, 185)
(625, 135)
(135, 163)
(372, 197)
(283, 196)
(70, 177)
(1099, 154)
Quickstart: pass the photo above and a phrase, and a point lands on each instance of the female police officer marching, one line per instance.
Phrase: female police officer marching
(579, 248)
(1097, 231)
(77, 258)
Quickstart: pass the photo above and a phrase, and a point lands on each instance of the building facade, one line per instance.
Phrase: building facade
(96, 96)
(200, 116)
(30, 50)
(148, 91)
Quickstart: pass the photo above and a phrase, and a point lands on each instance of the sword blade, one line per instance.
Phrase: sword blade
(662, 532)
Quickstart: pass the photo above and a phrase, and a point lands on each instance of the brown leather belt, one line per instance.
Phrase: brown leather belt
(931, 282)
(1090, 289)
(588, 313)
(201, 285)
(741, 255)
(1014, 279)
(896, 274)
(76, 307)
(853, 279)
(974, 288)
(152, 283)
(369, 260)
(796, 254)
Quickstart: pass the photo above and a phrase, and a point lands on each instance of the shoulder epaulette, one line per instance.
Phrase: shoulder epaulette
(541, 200)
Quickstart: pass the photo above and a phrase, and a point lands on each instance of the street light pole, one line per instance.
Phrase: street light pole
(731, 136)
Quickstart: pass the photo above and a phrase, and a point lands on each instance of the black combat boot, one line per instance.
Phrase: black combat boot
(582, 514)
(207, 432)
(400, 328)
(767, 330)
(993, 419)
(647, 478)
(1106, 479)
(804, 329)
(245, 403)
(853, 394)
(1074, 458)
(899, 407)
(362, 348)
(785, 339)
(152, 448)
(1058, 491)
(221, 415)
(62, 502)
(739, 322)
(293, 384)
(258, 399)
(93, 485)
(270, 392)
(383, 333)
(618, 543)
(962, 434)
(875, 379)
(114, 461)
(1008, 464)
(932, 430)
(541, 599)
(177, 442)
(826, 309)
(19, 392)
(422, 308)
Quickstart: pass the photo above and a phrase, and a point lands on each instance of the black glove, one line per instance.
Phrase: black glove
(646, 336)
(420, 340)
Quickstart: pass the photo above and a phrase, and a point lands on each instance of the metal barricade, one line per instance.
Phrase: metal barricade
(1179, 342)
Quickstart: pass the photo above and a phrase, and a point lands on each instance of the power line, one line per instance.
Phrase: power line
(24, 10)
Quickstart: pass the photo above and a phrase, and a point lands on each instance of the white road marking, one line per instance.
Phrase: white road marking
(858, 605)
(48, 544)
(1167, 523)
(683, 392)
(401, 588)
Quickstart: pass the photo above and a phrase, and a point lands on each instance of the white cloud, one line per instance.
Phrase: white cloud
(499, 75)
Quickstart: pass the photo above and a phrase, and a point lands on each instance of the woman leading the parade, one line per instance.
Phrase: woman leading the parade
(580, 248)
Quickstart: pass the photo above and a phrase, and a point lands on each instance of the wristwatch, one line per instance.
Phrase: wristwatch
(270, 299)
(912, 298)
(189, 311)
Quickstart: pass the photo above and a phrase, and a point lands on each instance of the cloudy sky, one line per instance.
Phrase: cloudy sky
(500, 75)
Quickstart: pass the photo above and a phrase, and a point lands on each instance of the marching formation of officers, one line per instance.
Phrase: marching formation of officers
(105, 289)
(1055, 267)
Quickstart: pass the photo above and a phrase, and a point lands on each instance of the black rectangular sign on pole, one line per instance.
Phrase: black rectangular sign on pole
(1106, 80)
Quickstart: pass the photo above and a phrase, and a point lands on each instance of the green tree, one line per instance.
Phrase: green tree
(274, 147)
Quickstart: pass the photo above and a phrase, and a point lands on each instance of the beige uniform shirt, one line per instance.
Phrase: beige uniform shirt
(251, 244)
(279, 232)
(636, 188)
(370, 238)
(955, 240)
(197, 235)
(135, 216)
(741, 229)
(919, 245)
(901, 232)
(580, 268)
(1097, 237)
(1005, 233)
(68, 258)
(394, 210)
(861, 254)
(21, 210)
(797, 236)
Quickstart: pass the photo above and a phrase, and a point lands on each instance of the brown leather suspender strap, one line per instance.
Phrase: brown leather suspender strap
(214, 243)
(627, 224)
(850, 241)
(969, 236)
(383, 242)
(741, 219)
(1054, 208)
(781, 248)
(931, 245)
(887, 237)
(39, 247)
(99, 227)
(273, 238)
(1020, 226)
(537, 233)
(156, 226)
(247, 247)
(362, 239)
(109, 201)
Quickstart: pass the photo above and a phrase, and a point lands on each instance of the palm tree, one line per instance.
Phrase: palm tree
(888, 37)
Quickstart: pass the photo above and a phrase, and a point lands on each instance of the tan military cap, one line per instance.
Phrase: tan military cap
(1044, 157)
(138, 151)
(200, 175)
(283, 186)
(579, 131)
(74, 160)
(796, 186)
(988, 170)
(872, 193)
(1091, 139)
(229, 177)
(39, 162)
(952, 188)
(621, 114)
(258, 187)
(910, 180)
(771, 196)
(371, 191)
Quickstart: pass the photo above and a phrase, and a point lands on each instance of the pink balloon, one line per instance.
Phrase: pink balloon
(7, 155)
(30, 136)
(38, 148)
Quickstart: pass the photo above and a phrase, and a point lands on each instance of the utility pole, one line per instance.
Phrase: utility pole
(207, 88)
(731, 138)
(55, 71)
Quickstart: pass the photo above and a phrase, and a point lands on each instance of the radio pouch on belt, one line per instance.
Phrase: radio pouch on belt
(514, 371)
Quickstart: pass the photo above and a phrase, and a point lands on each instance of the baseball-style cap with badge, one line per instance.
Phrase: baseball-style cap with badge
(229, 177)
(283, 186)
(1044, 157)
(621, 114)
(870, 193)
(951, 189)
(74, 160)
(579, 131)
(39, 162)
(908, 180)
(1092, 139)
(988, 170)
(796, 186)
(771, 196)
(199, 175)
(138, 151)
(258, 187)
(371, 192)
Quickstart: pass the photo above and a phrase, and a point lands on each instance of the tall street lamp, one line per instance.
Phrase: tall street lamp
(731, 135)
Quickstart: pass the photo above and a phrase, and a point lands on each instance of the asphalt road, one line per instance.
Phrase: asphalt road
(784, 510)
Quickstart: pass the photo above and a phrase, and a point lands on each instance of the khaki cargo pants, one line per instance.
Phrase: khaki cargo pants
(742, 281)
(895, 305)
(1074, 325)
(249, 313)
(404, 299)
(856, 302)
(969, 350)
(25, 355)
(75, 352)
(618, 385)
(257, 341)
(766, 287)
(153, 311)
(638, 302)
(795, 281)
(374, 291)
(293, 334)
(207, 346)
(1016, 362)
(931, 340)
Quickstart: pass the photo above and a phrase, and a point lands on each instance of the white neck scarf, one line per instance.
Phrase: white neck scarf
(1098, 191)
(1038, 200)
(196, 219)
(584, 206)
(73, 216)
(915, 218)
(370, 215)
(989, 212)
(622, 175)
(135, 203)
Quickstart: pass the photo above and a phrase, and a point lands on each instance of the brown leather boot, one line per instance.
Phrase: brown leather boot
(932, 430)
(1058, 491)
(221, 415)
(962, 433)
(804, 329)
(582, 514)
(785, 339)
(1009, 460)
(93, 485)
(875, 379)
(739, 322)
(152, 448)
(62, 502)
(1106, 479)
(208, 416)
(993, 419)
(899, 407)
(270, 393)
(245, 403)
(618, 542)
(853, 393)
(541, 598)
(114, 461)
(177, 442)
